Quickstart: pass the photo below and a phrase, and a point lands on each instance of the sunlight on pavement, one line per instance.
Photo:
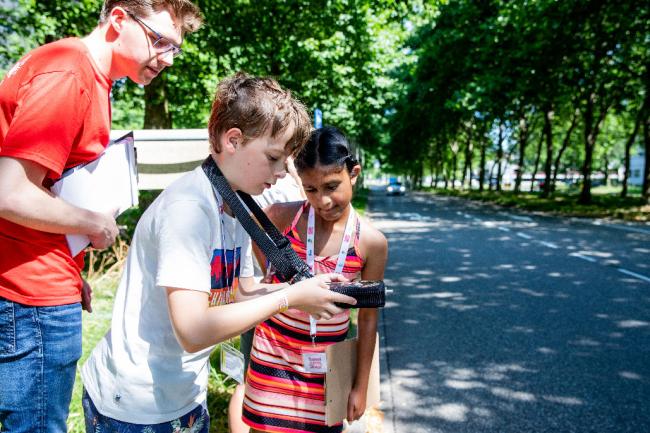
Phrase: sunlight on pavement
(632, 324)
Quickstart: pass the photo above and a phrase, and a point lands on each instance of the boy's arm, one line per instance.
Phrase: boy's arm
(198, 326)
(376, 248)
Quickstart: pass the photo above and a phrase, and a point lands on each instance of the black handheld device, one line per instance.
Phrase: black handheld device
(368, 293)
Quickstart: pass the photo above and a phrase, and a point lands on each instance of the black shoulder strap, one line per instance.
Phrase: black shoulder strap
(275, 246)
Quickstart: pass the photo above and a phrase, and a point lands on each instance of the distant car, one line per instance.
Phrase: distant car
(395, 188)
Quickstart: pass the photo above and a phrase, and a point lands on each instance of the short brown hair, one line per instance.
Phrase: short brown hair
(184, 11)
(256, 105)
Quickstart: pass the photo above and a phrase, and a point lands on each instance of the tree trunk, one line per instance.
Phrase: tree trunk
(628, 149)
(565, 144)
(591, 133)
(467, 164)
(481, 175)
(454, 165)
(499, 156)
(523, 141)
(548, 133)
(537, 157)
(491, 176)
(645, 193)
(436, 173)
(156, 106)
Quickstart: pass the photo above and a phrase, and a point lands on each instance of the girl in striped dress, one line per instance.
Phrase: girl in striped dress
(284, 382)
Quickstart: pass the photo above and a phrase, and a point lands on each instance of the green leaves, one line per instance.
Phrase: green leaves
(490, 62)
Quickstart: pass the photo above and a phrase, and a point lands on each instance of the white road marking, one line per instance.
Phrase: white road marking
(635, 275)
(602, 223)
(580, 256)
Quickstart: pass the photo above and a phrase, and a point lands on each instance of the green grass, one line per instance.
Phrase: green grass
(95, 325)
(606, 202)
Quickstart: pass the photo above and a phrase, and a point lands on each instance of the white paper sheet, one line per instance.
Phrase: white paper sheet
(109, 182)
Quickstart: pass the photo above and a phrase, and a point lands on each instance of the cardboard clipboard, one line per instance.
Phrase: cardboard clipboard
(341, 370)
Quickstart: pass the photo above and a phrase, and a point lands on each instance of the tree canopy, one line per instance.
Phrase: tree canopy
(453, 90)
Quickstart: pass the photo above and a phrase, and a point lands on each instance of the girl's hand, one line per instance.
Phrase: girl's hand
(356, 404)
(314, 297)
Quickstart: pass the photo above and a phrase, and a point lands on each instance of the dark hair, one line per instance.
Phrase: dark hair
(257, 105)
(326, 146)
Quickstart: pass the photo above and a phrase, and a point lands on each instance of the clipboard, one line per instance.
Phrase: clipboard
(110, 181)
(341, 370)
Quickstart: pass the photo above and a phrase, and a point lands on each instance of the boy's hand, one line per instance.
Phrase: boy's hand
(314, 297)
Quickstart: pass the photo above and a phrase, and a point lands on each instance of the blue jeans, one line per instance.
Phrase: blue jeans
(39, 350)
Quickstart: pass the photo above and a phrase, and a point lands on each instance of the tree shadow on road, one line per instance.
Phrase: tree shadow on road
(487, 333)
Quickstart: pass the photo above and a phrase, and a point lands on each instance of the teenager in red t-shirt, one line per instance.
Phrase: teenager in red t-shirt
(55, 114)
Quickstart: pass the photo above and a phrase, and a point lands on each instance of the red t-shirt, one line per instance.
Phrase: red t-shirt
(55, 111)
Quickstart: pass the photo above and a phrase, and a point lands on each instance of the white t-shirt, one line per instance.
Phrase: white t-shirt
(138, 372)
(285, 190)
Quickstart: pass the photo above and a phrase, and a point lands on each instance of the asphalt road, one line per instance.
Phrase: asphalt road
(503, 322)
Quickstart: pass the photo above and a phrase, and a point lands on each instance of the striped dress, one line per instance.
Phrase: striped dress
(280, 395)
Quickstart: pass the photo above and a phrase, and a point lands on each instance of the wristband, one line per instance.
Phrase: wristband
(283, 303)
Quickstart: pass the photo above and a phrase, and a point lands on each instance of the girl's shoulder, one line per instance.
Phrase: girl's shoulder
(371, 240)
(282, 214)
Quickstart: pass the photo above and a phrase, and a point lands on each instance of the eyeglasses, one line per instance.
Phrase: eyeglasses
(158, 41)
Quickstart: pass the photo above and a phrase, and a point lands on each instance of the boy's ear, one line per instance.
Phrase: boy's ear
(354, 174)
(231, 139)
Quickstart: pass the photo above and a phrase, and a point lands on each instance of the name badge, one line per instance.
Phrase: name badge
(314, 362)
(232, 362)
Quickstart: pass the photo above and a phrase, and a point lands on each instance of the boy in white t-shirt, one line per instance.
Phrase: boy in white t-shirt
(189, 259)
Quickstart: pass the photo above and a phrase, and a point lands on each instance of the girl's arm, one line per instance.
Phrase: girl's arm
(375, 246)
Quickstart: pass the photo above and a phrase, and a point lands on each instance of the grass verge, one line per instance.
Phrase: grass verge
(605, 204)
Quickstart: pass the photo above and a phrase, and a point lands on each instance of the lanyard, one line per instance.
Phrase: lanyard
(227, 294)
(340, 262)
